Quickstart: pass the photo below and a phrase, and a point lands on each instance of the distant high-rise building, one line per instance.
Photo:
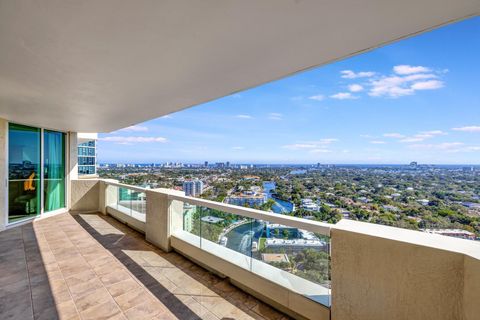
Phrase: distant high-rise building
(188, 213)
(206, 164)
(87, 154)
(193, 188)
(228, 164)
(413, 164)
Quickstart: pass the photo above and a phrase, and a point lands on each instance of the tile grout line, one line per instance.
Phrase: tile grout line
(28, 274)
(193, 296)
(97, 275)
(63, 277)
(142, 286)
(73, 226)
(74, 302)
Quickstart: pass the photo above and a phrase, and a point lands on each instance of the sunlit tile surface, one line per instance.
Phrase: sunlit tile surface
(93, 267)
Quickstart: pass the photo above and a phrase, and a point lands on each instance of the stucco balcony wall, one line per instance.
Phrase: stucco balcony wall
(381, 272)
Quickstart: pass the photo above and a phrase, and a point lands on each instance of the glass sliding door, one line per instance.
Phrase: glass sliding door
(24, 156)
(53, 170)
(36, 171)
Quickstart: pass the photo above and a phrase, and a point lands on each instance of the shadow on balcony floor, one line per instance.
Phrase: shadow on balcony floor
(93, 267)
(31, 283)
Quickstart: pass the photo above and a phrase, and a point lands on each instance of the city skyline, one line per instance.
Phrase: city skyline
(414, 100)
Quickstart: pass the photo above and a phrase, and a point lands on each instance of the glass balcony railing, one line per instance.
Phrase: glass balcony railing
(285, 254)
(286, 261)
(290, 252)
(132, 201)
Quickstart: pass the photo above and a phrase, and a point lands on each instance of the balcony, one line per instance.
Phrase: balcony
(91, 266)
(97, 249)
(116, 256)
(373, 272)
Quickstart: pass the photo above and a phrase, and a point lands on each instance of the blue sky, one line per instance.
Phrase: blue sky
(415, 100)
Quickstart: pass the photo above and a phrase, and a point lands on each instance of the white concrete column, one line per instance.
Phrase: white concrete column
(73, 155)
(108, 195)
(3, 173)
(164, 217)
(72, 165)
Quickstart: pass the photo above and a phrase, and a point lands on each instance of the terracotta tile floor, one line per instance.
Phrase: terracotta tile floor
(93, 267)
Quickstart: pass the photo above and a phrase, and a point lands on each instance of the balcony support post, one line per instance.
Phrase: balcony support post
(108, 195)
(164, 217)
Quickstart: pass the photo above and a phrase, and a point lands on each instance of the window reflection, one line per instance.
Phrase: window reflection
(23, 172)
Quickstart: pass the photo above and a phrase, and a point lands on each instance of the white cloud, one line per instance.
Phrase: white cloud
(446, 146)
(433, 133)
(407, 69)
(423, 136)
(318, 97)
(395, 86)
(320, 151)
(311, 145)
(238, 148)
(394, 135)
(355, 87)
(243, 116)
(412, 139)
(135, 129)
(366, 136)
(297, 146)
(349, 74)
(468, 129)
(343, 96)
(166, 117)
(131, 140)
(427, 85)
(419, 76)
(326, 141)
(405, 80)
(275, 116)
(377, 142)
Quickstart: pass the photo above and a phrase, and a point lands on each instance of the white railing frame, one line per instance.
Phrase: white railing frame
(126, 186)
(304, 224)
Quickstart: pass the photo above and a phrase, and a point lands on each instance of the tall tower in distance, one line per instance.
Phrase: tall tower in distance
(193, 188)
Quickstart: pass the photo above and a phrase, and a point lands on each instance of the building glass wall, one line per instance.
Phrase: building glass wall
(87, 158)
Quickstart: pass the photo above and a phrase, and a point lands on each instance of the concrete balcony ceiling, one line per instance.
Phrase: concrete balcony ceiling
(102, 65)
